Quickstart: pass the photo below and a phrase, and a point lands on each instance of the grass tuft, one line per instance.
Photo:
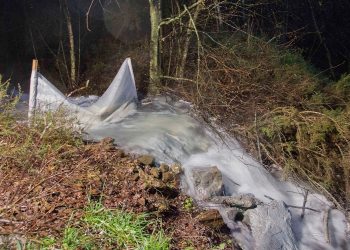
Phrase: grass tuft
(126, 230)
(102, 228)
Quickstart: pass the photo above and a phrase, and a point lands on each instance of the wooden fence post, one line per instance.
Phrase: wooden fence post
(33, 89)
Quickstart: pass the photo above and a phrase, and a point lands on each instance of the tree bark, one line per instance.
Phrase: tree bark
(189, 32)
(154, 71)
(71, 46)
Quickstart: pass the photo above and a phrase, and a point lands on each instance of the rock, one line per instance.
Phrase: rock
(107, 140)
(146, 160)
(162, 206)
(234, 214)
(135, 177)
(164, 168)
(153, 183)
(207, 182)
(168, 176)
(271, 226)
(141, 201)
(176, 168)
(211, 218)
(120, 153)
(135, 170)
(155, 173)
(243, 201)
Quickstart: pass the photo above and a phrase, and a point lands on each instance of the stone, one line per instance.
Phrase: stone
(155, 172)
(141, 201)
(146, 160)
(135, 177)
(234, 214)
(271, 226)
(153, 183)
(243, 201)
(168, 177)
(211, 218)
(162, 206)
(207, 182)
(176, 168)
(164, 168)
(107, 140)
(120, 153)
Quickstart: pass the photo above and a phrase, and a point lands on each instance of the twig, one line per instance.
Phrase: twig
(258, 140)
(77, 90)
(304, 204)
(269, 197)
(177, 79)
(308, 208)
(87, 15)
(325, 224)
(42, 181)
(178, 17)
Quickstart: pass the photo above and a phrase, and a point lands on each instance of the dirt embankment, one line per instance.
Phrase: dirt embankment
(41, 200)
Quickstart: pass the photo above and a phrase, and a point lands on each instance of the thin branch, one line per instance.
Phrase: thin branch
(325, 225)
(87, 15)
(304, 203)
(179, 16)
(77, 90)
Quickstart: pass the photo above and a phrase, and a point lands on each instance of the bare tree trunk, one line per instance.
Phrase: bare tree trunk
(71, 46)
(154, 71)
(186, 45)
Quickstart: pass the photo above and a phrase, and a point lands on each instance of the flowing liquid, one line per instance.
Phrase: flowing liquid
(171, 135)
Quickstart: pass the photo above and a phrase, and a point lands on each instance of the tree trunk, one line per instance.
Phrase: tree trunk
(71, 46)
(154, 71)
(186, 45)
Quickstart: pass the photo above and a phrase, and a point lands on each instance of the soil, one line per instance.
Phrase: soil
(41, 200)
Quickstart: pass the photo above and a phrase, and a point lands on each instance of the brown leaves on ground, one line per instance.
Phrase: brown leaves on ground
(41, 200)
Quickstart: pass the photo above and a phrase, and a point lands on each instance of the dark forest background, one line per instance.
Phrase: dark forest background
(34, 28)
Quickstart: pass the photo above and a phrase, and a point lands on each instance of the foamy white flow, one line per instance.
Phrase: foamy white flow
(175, 137)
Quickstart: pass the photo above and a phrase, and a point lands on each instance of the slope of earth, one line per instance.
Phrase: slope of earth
(48, 179)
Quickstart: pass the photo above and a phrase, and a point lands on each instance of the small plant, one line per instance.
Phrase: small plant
(223, 245)
(73, 239)
(188, 204)
(126, 230)
(7, 102)
(101, 228)
(46, 243)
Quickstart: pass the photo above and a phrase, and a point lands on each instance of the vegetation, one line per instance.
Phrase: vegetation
(245, 65)
(101, 228)
(71, 195)
(292, 116)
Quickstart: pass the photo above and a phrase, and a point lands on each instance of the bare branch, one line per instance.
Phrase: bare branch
(87, 15)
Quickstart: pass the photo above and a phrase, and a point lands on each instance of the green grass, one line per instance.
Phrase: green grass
(102, 228)
(126, 230)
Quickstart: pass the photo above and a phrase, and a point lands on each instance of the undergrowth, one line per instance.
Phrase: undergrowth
(101, 228)
(288, 113)
(49, 139)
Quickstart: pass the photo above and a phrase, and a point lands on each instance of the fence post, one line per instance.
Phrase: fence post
(33, 89)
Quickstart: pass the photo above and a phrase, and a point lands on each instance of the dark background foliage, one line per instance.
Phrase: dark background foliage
(32, 28)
